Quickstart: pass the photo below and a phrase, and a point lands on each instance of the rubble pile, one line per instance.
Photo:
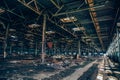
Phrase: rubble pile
(66, 72)
(15, 69)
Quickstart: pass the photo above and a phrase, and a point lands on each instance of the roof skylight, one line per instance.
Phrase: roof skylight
(50, 32)
(33, 25)
(68, 19)
(78, 29)
(2, 10)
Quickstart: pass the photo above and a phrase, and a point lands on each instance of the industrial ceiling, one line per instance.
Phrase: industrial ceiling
(90, 21)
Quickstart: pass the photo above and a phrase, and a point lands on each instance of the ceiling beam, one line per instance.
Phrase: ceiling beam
(93, 37)
(93, 15)
(54, 3)
(83, 31)
(60, 34)
(115, 20)
(3, 24)
(33, 8)
(89, 22)
(77, 10)
(15, 14)
(6, 5)
(3, 18)
(61, 27)
(11, 11)
(59, 9)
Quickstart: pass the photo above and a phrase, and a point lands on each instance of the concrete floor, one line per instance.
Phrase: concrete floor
(79, 72)
(33, 70)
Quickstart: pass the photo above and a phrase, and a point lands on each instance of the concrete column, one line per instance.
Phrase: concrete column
(43, 39)
(118, 41)
(11, 49)
(5, 42)
(79, 50)
(36, 49)
(119, 45)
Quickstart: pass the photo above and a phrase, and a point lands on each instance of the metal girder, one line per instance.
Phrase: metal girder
(92, 35)
(57, 5)
(93, 45)
(11, 11)
(101, 37)
(115, 20)
(61, 27)
(34, 8)
(8, 9)
(15, 14)
(39, 13)
(59, 9)
(84, 32)
(3, 24)
(88, 22)
(77, 10)
(43, 39)
(100, 20)
(59, 33)
(4, 18)
(95, 21)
